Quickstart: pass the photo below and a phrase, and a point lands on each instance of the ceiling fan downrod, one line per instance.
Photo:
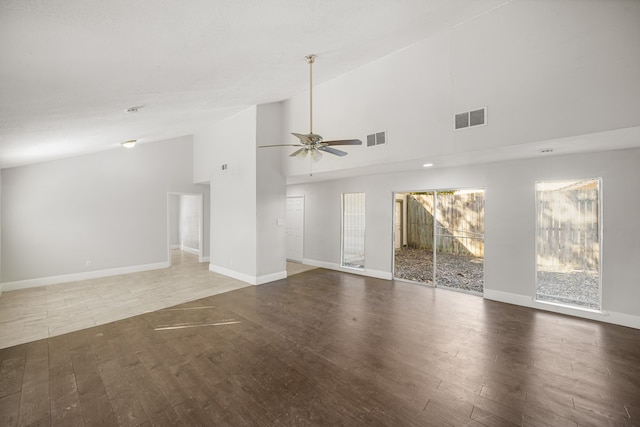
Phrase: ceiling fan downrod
(310, 60)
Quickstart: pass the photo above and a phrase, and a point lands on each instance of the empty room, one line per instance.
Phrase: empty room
(398, 213)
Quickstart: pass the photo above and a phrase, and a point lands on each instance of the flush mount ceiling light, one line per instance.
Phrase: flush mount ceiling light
(134, 109)
(427, 165)
(129, 144)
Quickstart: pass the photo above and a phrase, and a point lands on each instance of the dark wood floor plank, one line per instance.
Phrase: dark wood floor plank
(12, 362)
(9, 409)
(65, 402)
(34, 399)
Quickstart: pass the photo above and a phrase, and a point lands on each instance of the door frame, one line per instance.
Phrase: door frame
(287, 224)
(201, 258)
(393, 228)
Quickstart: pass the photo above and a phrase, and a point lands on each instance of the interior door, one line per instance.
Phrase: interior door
(295, 228)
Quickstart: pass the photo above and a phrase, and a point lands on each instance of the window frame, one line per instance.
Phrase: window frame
(343, 206)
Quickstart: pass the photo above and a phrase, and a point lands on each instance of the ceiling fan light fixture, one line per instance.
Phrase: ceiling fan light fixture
(312, 143)
(129, 144)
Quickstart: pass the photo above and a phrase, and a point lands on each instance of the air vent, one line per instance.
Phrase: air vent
(378, 138)
(470, 119)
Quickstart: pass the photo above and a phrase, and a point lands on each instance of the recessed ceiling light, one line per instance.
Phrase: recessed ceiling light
(129, 144)
(134, 109)
(427, 165)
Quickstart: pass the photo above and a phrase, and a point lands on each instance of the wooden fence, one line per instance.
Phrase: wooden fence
(568, 236)
(459, 222)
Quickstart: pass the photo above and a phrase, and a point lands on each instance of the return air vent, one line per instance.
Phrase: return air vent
(470, 119)
(378, 138)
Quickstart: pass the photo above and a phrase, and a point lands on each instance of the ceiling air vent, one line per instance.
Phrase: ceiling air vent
(470, 119)
(378, 138)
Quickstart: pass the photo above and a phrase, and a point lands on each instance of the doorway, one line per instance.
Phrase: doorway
(441, 236)
(295, 228)
(185, 224)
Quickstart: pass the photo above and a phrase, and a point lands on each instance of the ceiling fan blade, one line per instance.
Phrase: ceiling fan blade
(343, 142)
(303, 138)
(281, 145)
(299, 153)
(333, 151)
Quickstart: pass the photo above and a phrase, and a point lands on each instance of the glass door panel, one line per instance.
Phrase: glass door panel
(459, 236)
(413, 239)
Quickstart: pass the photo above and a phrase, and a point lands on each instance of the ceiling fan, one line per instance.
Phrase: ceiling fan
(312, 143)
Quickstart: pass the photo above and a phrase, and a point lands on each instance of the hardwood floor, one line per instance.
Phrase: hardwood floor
(329, 348)
(30, 314)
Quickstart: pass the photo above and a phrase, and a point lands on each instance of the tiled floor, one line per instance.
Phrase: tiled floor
(32, 314)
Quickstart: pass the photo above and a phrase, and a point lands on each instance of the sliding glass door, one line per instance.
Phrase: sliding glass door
(439, 238)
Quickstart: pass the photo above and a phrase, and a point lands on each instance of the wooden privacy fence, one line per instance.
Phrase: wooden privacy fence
(459, 222)
(568, 236)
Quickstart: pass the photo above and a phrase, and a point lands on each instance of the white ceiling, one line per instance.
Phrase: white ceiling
(70, 68)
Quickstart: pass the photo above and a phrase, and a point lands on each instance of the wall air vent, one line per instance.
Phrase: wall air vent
(470, 119)
(378, 138)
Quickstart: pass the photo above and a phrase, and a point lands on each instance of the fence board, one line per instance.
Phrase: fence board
(460, 222)
(568, 236)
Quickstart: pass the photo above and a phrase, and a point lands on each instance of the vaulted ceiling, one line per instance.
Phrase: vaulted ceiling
(69, 69)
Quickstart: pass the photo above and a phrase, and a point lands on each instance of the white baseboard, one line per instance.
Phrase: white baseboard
(252, 280)
(364, 272)
(73, 277)
(174, 246)
(233, 274)
(621, 319)
(190, 250)
(204, 259)
(268, 278)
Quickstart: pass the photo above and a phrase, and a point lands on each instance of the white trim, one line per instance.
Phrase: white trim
(303, 224)
(199, 251)
(621, 319)
(190, 250)
(73, 277)
(252, 280)
(378, 274)
(233, 274)
(268, 278)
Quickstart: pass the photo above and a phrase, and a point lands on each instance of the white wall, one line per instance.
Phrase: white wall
(189, 222)
(233, 200)
(545, 70)
(271, 192)
(174, 221)
(108, 210)
(248, 198)
(509, 221)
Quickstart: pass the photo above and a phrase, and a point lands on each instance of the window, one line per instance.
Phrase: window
(353, 230)
(568, 243)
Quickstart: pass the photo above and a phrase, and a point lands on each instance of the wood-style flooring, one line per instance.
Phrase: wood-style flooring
(328, 348)
(46, 311)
